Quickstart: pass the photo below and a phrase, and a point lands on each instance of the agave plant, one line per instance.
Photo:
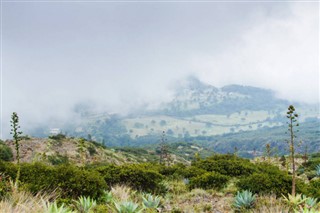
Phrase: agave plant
(127, 207)
(85, 204)
(244, 200)
(151, 202)
(310, 202)
(306, 210)
(294, 201)
(318, 170)
(54, 208)
(107, 197)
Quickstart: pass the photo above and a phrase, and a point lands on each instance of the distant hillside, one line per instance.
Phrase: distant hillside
(57, 150)
(196, 110)
(60, 149)
(249, 142)
(195, 98)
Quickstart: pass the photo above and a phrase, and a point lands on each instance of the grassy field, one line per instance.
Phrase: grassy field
(209, 124)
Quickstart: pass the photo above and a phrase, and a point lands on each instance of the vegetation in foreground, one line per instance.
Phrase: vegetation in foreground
(219, 183)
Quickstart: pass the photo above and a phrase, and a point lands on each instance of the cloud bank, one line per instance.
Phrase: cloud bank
(119, 56)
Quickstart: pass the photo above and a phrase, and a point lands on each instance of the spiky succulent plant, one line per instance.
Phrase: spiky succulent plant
(244, 200)
(310, 202)
(127, 207)
(85, 204)
(107, 197)
(54, 208)
(150, 201)
(294, 201)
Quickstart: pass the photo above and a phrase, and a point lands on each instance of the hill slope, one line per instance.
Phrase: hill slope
(196, 110)
(59, 149)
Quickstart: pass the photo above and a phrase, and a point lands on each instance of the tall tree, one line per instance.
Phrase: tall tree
(268, 152)
(305, 155)
(292, 123)
(16, 134)
(164, 150)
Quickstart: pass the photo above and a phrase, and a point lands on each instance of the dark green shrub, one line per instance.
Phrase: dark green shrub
(311, 164)
(270, 180)
(268, 168)
(5, 186)
(193, 171)
(136, 176)
(57, 137)
(69, 180)
(314, 188)
(74, 182)
(209, 180)
(175, 171)
(8, 168)
(265, 184)
(36, 177)
(92, 150)
(110, 173)
(5, 152)
(58, 159)
(231, 167)
(140, 178)
(224, 157)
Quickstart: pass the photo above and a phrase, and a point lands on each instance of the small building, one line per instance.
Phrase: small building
(54, 131)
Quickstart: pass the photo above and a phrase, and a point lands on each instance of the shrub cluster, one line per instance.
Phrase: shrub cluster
(227, 165)
(137, 176)
(269, 179)
(69, 180)
(209, 180)
(211, 173)
(314, 188)
(5, 152)
(59, 136)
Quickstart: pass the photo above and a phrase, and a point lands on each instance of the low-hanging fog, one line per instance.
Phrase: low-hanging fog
(119, 55)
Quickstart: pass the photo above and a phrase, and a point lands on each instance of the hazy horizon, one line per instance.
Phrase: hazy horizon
(119, 55)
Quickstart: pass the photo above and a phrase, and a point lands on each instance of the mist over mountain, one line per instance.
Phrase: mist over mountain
(107, 57)
(196, 97)
(196, 112)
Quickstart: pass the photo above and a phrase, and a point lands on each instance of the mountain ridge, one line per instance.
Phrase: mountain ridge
(197, 110)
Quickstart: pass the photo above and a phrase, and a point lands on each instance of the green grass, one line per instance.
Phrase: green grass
(206, 124)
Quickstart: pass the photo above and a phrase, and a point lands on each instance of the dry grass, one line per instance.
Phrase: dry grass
(25, 202)
(122, 193)
(197, 200)
(270, 204)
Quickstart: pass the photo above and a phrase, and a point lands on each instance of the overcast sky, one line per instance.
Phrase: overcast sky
(118, 55)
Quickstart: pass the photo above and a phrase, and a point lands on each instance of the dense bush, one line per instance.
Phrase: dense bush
(232, 167)
(269, 179)
(69, 180)
(175, 171)
(74, 182)
(209, 180)
(58, 159)
(193, 171)
(136, 176)
(5, 186)
(265, 183)
(8, 168)
(5, 152)
(59, 136)
(314, 188)
(311, 164)
(110, 173)
(36, 177)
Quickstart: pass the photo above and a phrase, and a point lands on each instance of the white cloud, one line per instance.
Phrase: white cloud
(122, 55)
(280, 53)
